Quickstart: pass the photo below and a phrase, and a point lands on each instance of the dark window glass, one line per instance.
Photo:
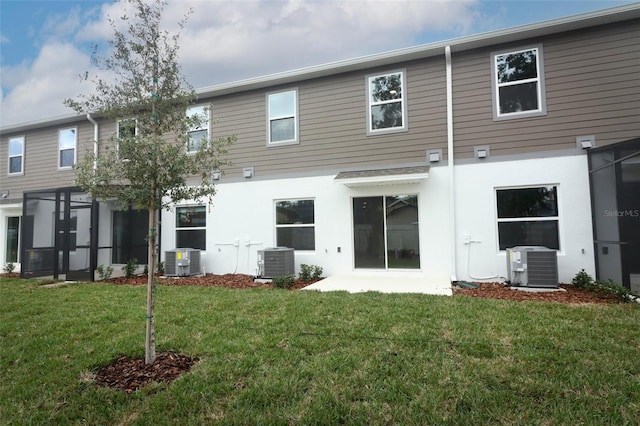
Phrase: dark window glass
(191, 238)
(130, 236)
(299, 238)
(294, 212)
(518, 97)
(66, 157)
(189, 217)
(15, 165)
(534, 233)
(13, 228)
(527, 202)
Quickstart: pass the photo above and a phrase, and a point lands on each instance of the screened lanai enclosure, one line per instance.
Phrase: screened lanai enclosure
(66, 235)
(615, 189)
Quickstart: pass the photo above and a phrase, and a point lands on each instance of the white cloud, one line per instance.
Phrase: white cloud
(230, 40)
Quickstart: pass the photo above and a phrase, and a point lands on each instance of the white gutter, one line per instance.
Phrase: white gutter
(95, 141)
(452, 182)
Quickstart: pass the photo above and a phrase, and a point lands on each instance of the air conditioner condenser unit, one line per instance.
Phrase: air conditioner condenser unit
(532, 266)
(182, 262)
(276, 262)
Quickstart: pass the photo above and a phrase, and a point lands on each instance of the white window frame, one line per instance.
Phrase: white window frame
(295, 225)
(539, 79)
(295, 140)
(118, 131)
(204, 124)
(191, 228)
(21, 155)
(402, 100)
(557, 219)
(75, 148)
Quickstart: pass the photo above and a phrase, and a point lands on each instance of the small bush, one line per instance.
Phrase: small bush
(161, 268)
(145, 270)
(283, 282)
(317, 272)
(610, 287)
(9, 268)
(582, 280)
(104, 272)
(310, 272)
(130, 268)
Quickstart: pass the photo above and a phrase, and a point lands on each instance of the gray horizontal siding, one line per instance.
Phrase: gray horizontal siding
(592, 81)
(332, 124)
(41, 160)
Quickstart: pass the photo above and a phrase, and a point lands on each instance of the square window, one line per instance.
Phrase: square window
(16, 155)
(67, 141)
(191, 227)
(282, 117)
(386, 103)
(198, 128)
(295, 224)
(528, 217)
(518, 84)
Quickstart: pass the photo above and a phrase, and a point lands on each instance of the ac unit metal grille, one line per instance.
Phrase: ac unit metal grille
(276, 262)
(532, 266)
(182, 262)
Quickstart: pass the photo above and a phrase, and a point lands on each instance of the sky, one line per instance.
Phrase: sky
(46, 45)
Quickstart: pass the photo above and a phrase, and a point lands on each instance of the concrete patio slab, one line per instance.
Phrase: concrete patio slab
(383, 284)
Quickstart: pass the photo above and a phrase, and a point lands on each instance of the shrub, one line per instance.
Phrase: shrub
(130, 268)
(283, 282)
(9, 268)
(610, 287)
(104, 272)
(582, 279)
(161, 268)
(310, 272)
(145, 270)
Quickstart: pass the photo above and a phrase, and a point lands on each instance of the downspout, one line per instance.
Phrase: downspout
(95, 141)
(452, 202)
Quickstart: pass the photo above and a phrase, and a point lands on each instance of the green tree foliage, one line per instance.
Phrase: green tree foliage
(151, 168)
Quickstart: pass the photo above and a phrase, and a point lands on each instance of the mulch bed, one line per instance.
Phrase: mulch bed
(571, 295)
(238, 281)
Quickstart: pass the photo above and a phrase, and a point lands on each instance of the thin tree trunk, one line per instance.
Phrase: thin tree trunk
(150, 343)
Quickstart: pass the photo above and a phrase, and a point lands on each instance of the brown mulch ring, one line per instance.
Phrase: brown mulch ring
(130, 374)
(571, 295)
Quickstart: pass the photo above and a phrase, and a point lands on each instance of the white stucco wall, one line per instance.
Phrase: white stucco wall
(476, 213)
(245, 212)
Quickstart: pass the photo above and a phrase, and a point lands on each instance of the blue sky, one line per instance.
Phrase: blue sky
(45, 44)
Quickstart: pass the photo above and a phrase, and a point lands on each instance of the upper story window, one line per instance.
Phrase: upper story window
(16, 155)
(518, 84)
(528, 217)
(295, 224)
(386, 103)
(127, 131)
(282, 117)
(67, 142)
(199, 129)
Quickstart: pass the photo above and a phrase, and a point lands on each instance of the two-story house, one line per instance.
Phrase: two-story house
(424, 162)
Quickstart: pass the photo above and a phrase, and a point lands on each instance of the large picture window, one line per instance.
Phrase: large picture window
(67, 140)
(295, 224)
(386, 102)
(16, 155)
(518, 83)
(199, 130)
(191, 227)
(282, 112)
(528, 217)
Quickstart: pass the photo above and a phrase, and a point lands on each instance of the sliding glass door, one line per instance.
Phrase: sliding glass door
(385, 232)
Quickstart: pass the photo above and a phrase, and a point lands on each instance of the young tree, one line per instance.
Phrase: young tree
(151, 168)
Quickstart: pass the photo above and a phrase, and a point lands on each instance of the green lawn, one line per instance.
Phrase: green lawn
(295, 357)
